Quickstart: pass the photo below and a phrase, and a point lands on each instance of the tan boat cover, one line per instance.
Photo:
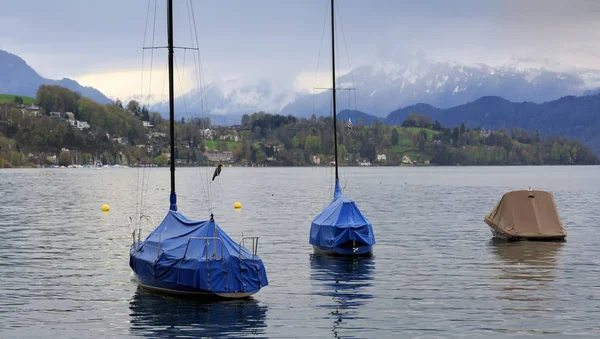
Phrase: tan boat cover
(526, 214)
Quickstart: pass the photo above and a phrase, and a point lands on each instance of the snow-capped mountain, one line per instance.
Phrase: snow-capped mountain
(385, 86)
(226, 101)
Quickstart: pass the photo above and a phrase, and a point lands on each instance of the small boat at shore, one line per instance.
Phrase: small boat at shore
(526, 215)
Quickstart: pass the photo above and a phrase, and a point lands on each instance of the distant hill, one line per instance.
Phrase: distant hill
(18, 78)
(8, 98)
(571, 116)
(357, 117)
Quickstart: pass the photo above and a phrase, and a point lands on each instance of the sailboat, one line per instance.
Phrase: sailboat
(340, 229)
(189, 257)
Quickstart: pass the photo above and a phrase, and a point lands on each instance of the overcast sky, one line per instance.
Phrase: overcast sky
(99, 42)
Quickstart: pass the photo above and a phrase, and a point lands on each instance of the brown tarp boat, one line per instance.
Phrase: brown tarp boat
(526, 214)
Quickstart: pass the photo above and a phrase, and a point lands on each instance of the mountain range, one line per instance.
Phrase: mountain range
(384, 86)
(479, 95)
(572, 116)
(18, 78)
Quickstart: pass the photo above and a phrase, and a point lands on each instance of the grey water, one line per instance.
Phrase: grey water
(435, 272)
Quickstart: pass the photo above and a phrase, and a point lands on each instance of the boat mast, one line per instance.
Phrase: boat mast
(171, 101)
(333, 88)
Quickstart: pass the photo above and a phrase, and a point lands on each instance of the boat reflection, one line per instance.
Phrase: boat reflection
(527, 268)
(155, 315)
(345, 280)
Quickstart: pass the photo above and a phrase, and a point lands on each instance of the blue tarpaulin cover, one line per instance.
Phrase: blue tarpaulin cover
(340, 222)
(163, 256)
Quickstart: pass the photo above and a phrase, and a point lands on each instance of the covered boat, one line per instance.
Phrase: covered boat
(526, 214)
(196, 257)
(341, 229)
(188, 257)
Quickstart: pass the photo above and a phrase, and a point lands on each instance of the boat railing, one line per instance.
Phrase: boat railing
(254, 248)
(206, 239)
(136, 230)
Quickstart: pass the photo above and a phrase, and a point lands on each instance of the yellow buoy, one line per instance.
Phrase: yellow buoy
(237, 205)
(105, 208)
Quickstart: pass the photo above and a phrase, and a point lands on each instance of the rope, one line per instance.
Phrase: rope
(347, 54)
(152, 54)
(199, 74)
(143, 51)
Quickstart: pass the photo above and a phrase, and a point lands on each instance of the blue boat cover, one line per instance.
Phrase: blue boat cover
(178, 252)
(340, 222)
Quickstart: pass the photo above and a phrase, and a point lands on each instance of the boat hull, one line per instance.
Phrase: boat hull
(182, 290)
(508, 237)
(361, 251)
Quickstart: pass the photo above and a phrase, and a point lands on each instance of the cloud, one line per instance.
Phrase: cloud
(276, 40)
(135, 84)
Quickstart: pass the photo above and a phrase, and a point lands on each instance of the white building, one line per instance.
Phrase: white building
(79, 124)
(381, 157)
(147, 124)
(406, 159)
(30, 110)
(207, 133)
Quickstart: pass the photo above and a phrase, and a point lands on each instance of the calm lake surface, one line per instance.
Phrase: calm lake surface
(64, 264)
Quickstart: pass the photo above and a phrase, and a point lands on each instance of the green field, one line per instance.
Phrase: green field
(4, 98)
(213, 144)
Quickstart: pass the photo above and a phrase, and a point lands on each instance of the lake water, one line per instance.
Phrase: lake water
(435, 273)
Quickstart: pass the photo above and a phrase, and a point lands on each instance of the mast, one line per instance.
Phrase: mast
(333, 88)
(173, 197)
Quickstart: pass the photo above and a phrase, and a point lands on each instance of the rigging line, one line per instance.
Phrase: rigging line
(162, 89)
(143, 52)
(142, 196)
(319, 55)
(203, 97)
(347, 54)
(165, 47)
(201, 70)
(152, 53)
(321, 43)
(137, 193)
(180, 85)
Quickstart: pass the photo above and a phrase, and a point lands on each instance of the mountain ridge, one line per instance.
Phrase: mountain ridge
(570, 116)
(18, 78)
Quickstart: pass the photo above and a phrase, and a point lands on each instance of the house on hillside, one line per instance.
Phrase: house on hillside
(230, 137)
(157, 135)
(316, 160)
(70, 116)
(364, 162)
(79, 124)
(485, 132)
(218, 156)
(56, 115)
(406, 159)
(30, 110)
(147, 124)
(121, 140)
(381, 157)
(208, 134)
